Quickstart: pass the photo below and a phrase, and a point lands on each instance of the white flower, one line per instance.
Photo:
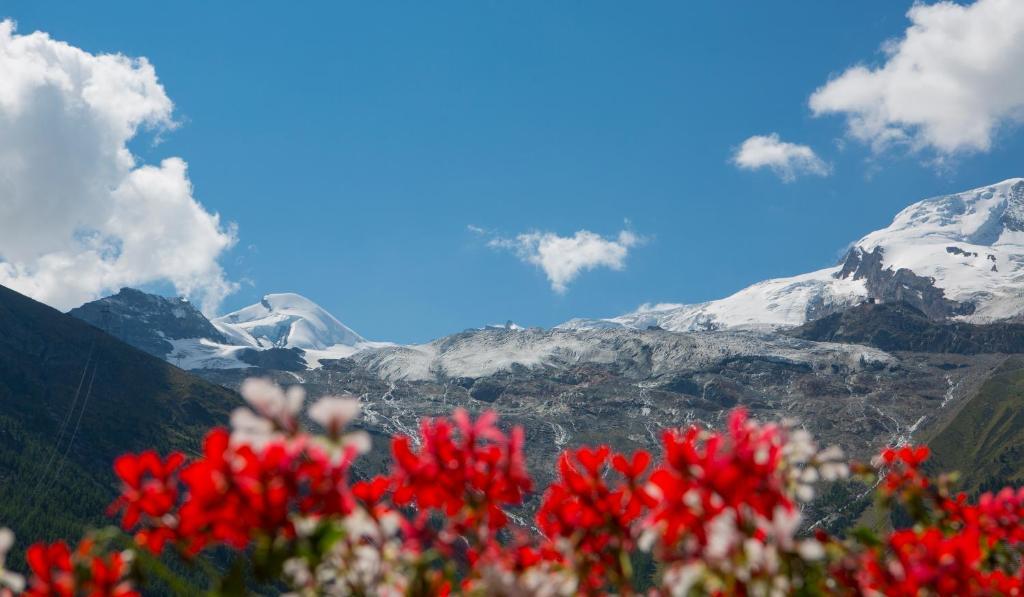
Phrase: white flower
(360, 440)
(754, 550)
(14, 582)
(831, 453)
(296, 570)
(723, 536)
(537, 581)
(249, 428)
(832, 471)
(806, 466)
(680, 579)
(799, 447)
(832, 464)
(649, 536)
(810, 550)
(305, 526)
(295, 396)
(333, 413)
(364, 560)
(784, 522)
(359, 525)
(390, 524)
(270, 401)
(6, 542)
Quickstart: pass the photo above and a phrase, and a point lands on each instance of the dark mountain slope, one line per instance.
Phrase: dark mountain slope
(71, 399)
(898, 326)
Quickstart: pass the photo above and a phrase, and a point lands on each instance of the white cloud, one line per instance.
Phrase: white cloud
(563, 258)
(787, 160)
(948, 84)
(79, 216)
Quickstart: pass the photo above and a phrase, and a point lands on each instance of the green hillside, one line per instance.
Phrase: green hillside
(985, 440)
(71, 399)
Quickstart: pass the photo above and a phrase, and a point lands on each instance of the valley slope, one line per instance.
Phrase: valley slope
(72, 398)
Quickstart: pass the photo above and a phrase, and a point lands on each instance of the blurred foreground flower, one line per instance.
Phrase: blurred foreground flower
(718, 513)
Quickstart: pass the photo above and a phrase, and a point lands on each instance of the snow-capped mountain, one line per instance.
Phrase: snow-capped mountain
(291, 321)
(283, 330)
(286, 320)
(959, 256)
(147, 321)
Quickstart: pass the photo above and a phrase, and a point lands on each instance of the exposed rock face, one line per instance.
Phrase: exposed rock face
(900, 286)
(1013, 214)
(280, 359)
(147, 321)
(959, 251)
(896, 326)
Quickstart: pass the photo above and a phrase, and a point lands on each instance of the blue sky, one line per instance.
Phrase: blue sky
(353, 143)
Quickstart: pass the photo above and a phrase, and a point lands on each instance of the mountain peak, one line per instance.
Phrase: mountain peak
(288, 300)
(958, 255)
(147, 321)
(286, 320)
(985, 216)
(970, 245)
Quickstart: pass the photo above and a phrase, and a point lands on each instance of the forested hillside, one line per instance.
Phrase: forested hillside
(71, 399)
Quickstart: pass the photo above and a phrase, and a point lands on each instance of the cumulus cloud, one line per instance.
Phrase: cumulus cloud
(80, 215)
(787, 160)
(947, 84)
(564, 258)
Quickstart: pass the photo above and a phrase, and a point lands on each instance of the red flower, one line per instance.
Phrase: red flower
(322, 481)
(234, 492)
(215, 509)
(469, 470)
(149, 487)
(705, 474)
(597, 517)
(904, 474)
(717, 511)
(52, 573)
(107, 577)
(929, 562)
